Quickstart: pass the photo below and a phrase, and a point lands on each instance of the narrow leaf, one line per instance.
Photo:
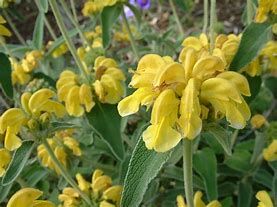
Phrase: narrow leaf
(244, 195)
(143, 167)
(38, 31)
(254, 37)
(205, 165)
(18, 162)
(5, 75)
(221, 135)
(109, 16)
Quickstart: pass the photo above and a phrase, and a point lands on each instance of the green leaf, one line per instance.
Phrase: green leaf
(259, 146)
(106, 121)
(43, 5)
(263, 177)
(240, 161)
(185, 5)
(19, 160)
(143, 167)
(254, 85)
(5, 75)
(34, 174)
(135, 11)
(226, 189)
(245, 195)
(221, 135)
(205, 165)
(4, 192)
(109, 16)
(254, 37)
(58, 126)
(38, 31)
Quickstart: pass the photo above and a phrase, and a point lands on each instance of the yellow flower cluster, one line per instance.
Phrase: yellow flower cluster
(5, 159)
(78, 97)
(95, 6)
(27, 197)
(4, 31)
(270, 153)
(264, 199)
(185, 93)
(123, 35)
(95, 37)
(198, 202)
(265, 7)
(21, 70)
(100, 190)
(57, 143)
(36, 108)
(257, 121)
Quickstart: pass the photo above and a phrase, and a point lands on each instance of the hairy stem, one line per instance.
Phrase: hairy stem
(64, 172)
(206, 16)
(68, 41)
(132, 39)
(176, 18)
(212, 23)
(187, 170)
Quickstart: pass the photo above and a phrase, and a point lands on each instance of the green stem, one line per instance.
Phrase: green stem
(212, 23)
(64, 172)
(187, 169)
(13, 27)
(249, 11)
(176, 18)
(206, 16)
(73, 9)
(75, 23)
(133, 45)
(68, 41)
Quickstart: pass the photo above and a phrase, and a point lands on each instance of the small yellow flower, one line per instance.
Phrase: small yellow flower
(270, 153)
(269, 52)
(100, 190)
(265, 7)
(31, 60)
(18, 74)
(57, 143)
(257, 121)
(95, 6)
(27, 197)
(264, 199)
(198, 202)
(4, 31)
(59, 51)
(109, 80)
(5, 159)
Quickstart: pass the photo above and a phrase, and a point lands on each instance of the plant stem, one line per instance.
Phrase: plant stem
(64, 172)
(176, 18)
(212, 23)
(68, 41)
(50, 29)
(126, 24)
(73, 9)
(206, 16)
(13, 27)
(75, 23)
(187, 169)
(249, 11)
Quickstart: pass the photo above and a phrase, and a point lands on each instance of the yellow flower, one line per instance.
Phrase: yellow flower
(109, 85)
(122, 36)
(269, 52)
(270, 153)
(33, 106)
(78, 99)
(257, 121)
(264, 199)
(59, 51)
(18, 74)
(198, 202)
(5, 159)
(265, 7)
(95, 6)
(4, 31)
(57, 143)
(100, 190)
(27, 197)
(31, 60)
(184, 94)
(253, 68)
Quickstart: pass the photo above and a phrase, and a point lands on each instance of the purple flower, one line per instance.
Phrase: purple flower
(143, 4)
